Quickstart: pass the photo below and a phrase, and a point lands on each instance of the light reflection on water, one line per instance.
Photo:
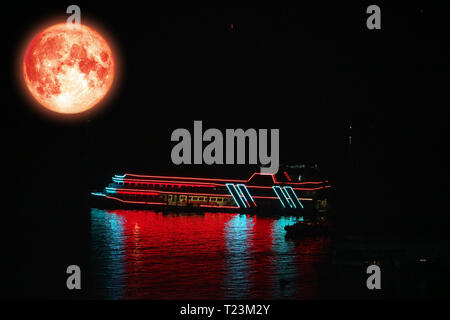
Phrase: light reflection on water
(149, 255)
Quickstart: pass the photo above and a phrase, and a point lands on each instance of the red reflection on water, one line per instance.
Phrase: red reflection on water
(173, 255)
(261, 251)
(149, 255)
(309, 256)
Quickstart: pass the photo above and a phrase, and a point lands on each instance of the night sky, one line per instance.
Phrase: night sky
(310, 71)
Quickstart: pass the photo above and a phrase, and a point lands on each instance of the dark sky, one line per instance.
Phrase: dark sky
(310, 71)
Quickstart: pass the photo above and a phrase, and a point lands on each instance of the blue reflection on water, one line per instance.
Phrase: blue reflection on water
(108, 252)
(238, 233)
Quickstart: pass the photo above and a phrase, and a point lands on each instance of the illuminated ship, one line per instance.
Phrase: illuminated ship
(261, 192)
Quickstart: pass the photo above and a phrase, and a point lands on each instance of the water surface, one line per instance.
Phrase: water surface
(150, 255)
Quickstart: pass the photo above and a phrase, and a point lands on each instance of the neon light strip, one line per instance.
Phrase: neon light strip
(294, 196)
(232, 188)
(287, 176)
(157, 203)
(110, 190)
(279, 198)
(218, 180)
(181, 178)
(156, 192)
(210, 206)
(312, 189)
(136, 202)
(275, 198)
(244, 188)
(99, 194)
(173, 183)
(288, 199)
(243, 197)
(133, 192)
(304, 189)
(159, 182)
(206, 184)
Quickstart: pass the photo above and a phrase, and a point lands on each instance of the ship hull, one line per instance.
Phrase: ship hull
(267, 210)
(261, 193)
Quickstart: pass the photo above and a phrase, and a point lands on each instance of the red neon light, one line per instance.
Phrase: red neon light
(209, 179)
(265, 187)
(137, 202)
(172, 183)
(287, 176)
(122, 191)
(156, 192)
(311, 189)
(165, 204)
(265, 197)
(306, 182)
(185, 178)
(221, 207)
(275, 198)
(249, 187)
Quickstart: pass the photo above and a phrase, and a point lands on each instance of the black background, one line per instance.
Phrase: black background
(311, 71)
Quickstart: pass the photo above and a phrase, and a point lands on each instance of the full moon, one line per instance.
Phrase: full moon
(68, 68)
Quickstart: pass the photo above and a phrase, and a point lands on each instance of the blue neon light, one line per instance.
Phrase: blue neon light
(241, 195)
(111, 190)
(294, 196)
(232, 189)
(276, 192)
(288, 199)
(244, 187)
(117, 179)
(98, 194)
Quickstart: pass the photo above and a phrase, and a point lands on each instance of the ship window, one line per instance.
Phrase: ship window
(194, 198)
(213, 199)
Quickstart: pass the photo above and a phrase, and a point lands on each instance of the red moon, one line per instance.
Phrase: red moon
(68, 68)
